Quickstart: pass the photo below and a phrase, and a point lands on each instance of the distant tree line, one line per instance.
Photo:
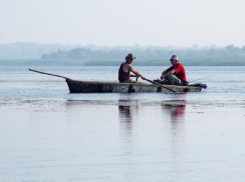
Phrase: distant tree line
(229, 55)
(92, 55)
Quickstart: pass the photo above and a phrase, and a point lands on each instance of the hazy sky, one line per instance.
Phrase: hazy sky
(123, 22)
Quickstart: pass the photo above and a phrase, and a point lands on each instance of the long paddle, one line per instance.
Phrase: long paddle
(49, 74)
(160, 85)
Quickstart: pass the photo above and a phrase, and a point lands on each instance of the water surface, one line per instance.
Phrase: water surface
(48, 134)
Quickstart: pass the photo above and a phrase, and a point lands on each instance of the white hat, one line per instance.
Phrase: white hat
(174, 57)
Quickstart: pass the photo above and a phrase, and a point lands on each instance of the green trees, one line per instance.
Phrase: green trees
(229, 55)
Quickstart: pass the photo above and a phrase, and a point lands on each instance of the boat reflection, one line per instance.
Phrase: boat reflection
(168, 115)
(173, 109)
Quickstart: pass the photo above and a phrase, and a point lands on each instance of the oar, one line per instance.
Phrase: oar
(48, 74)
(160, 85)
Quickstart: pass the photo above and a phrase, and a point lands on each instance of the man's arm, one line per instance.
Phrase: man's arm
(133, 75)
(137, 74)
(165, 74)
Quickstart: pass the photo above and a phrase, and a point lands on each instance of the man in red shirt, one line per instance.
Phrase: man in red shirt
(175, 75)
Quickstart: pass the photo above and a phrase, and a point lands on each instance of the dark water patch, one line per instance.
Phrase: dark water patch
(123, 102)
(130, 102)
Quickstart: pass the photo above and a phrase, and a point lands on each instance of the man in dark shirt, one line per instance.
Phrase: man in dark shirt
(125, 69)
(175, 75)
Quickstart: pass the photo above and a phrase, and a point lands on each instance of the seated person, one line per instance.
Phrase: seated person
(125, 69)
(174, 75)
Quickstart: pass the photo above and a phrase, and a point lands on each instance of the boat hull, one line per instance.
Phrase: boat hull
(76, 86)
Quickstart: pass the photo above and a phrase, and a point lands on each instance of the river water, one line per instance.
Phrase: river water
(48, 134)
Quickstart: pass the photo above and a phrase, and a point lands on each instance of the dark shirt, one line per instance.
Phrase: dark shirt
(122, 75)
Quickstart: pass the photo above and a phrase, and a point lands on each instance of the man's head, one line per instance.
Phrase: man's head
(129, 58)
(174, 60)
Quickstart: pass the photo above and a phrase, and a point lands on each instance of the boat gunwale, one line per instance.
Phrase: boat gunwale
(135, 84)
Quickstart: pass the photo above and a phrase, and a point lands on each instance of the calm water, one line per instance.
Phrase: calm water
(48, 134)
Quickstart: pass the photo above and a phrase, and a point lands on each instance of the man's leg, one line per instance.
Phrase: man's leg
(173, 80)
(160, 81)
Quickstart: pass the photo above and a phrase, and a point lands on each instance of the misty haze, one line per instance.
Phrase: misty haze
(92, 55)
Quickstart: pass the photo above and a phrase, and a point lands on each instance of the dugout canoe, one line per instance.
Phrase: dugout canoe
(77, 86)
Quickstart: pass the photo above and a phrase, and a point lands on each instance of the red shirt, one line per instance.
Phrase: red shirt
(179, 71)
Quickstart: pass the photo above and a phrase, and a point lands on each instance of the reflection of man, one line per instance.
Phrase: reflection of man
(125, 69)
(178, 111)
(175, 75)
(176, 108)
(124, 111)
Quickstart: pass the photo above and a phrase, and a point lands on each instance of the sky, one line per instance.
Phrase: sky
(123, 22)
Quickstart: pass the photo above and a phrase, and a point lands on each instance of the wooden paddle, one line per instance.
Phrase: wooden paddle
(48, 74)
(160, 85)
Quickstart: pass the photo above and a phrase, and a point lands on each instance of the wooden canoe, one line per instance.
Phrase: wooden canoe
(77, 86)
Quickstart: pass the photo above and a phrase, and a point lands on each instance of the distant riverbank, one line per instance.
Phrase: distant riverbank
(240, 61)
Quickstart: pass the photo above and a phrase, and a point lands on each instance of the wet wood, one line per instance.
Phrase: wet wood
(77, 86)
